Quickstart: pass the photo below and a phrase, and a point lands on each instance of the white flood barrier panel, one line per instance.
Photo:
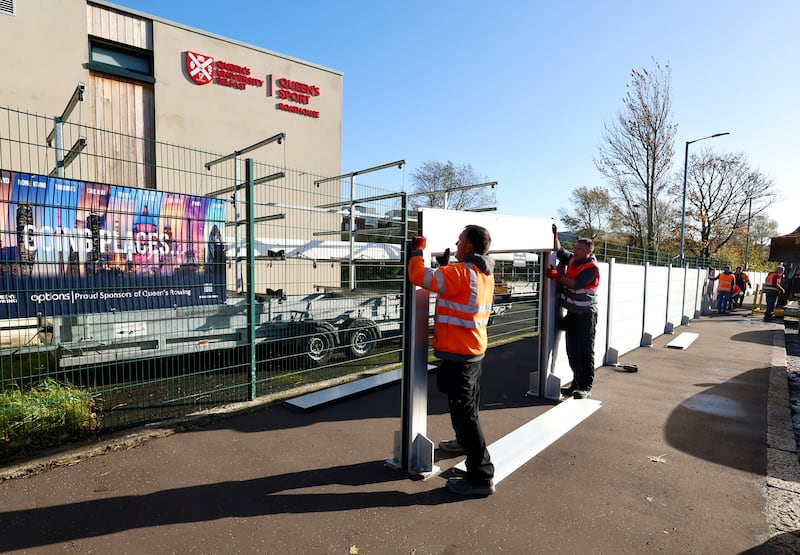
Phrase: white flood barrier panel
(655, 308)
(625, 329)
(683, 340)
(509, 233)
(336, 393)
(515, 449)
(324, 397)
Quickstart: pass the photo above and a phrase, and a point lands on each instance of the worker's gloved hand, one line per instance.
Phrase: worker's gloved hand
(555, 229)
(418, 243)
(444, 260)
(552, 273)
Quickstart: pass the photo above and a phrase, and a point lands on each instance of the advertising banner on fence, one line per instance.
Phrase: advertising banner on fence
(73, 247)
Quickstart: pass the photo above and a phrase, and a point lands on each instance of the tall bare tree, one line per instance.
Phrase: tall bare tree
(590, 211)
(437, 181)
(637, 149)
(719, 189)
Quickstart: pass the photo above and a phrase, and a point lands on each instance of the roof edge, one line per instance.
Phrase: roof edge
(125, 9)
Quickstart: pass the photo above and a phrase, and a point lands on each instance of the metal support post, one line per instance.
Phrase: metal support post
(59, 136)
(684, 316)
(669, 327)
(413, 451)
(237, 218)
(252, 320)
(544, 382)
(698, 288)
(351, 234)
(612, 356)
(647, 339)
(747, 244)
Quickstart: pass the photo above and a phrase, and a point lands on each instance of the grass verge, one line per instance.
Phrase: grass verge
(46, 415)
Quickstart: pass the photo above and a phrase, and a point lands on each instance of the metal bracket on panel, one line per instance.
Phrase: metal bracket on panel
(421, 463)
(685, 320)
(422, 458)
(533, 384)
(647, 340)
(669, 328)
(612, 357)
(552, 389)
(396, 461)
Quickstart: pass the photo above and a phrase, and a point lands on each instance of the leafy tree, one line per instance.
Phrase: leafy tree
(442, 186)
(591, 210)
(636, 154)
(718, 192)
(762, 230)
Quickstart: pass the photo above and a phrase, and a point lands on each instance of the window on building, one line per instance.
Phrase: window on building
(127, 62)
(7, 7)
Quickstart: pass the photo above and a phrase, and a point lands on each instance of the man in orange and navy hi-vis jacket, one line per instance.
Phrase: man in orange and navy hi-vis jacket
(463, 306)
(578, 277)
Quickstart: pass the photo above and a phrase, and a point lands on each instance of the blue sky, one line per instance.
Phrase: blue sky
(521, 89)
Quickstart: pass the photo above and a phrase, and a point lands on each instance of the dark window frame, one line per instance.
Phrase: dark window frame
(119, 71)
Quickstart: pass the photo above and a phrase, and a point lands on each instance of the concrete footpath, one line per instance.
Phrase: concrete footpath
(693, 454)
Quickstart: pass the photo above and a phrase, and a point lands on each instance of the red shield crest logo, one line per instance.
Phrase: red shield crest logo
(200, 67)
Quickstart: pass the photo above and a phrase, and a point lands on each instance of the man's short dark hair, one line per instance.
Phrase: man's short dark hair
(586, 241)
(479, 238)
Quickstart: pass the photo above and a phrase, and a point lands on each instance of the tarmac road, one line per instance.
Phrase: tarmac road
(694, 453)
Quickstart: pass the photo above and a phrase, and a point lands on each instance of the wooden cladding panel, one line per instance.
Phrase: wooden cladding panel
(119, 27)
(124, 126)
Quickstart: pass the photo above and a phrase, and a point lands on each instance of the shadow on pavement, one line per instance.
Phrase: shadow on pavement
(762, 337)
(716, 425)
(782, 543)
(29, 528)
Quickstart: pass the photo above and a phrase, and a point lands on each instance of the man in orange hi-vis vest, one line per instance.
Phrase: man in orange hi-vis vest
(725, 282)
(463, 305)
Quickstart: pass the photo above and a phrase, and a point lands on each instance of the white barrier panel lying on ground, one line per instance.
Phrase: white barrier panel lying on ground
(683, 340)
(512, 451)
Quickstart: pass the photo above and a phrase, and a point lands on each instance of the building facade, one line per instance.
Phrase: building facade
(158, 79)
(159, 102)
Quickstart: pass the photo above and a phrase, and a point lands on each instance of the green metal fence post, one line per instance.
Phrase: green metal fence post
(251, 273)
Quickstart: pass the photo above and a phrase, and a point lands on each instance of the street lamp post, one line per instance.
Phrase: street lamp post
(747, 243)
(683, 203)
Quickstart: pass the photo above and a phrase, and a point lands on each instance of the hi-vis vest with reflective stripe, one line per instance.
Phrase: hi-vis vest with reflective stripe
(725, 283)
(463, 306)
(769, 281)
(580, 300)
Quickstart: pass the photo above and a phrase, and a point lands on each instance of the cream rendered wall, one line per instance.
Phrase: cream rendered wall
(43, 50)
